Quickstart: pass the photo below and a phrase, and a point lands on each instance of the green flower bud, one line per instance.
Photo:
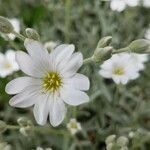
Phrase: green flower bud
(32, 34)
(110, 139)
(122, 141)
(140, 46)
(5, 25)
(3, 126)
(104, 42)
(102, 54)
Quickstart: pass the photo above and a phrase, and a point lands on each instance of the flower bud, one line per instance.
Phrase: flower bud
(104, 42)
(110, 139)
(5, 25)
(32, 34)
(25, 130)
(122, 141)
(102, 54)
(109, 146)
(5, 146)
(124, 148)
(131, 134)
(22, 121)
(139, 46)
(51, 45)
(3, 126)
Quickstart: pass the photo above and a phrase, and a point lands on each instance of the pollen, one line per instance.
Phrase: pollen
(118, 71)
(52, 82)
(7, 65)
(73, 125)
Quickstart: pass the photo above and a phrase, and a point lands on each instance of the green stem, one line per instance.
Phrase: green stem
(67, 19)
(40, 129)
(20, 36)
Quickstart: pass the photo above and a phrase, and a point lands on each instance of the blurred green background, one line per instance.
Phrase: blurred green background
(111, 111)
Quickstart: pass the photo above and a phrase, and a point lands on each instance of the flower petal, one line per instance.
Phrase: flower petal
(73, 65)
(74, 97)
(79, 82)
(41, 109)
(61, 55)
(27, 65)
(105, 73)
(35, 48)
(17, 85)
(26, 98)
(38, 53)
(57, 111)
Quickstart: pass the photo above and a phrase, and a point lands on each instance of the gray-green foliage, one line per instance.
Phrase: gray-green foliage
(113, 109)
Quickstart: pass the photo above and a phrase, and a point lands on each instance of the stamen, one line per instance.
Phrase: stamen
(118, 71)
(52, 82)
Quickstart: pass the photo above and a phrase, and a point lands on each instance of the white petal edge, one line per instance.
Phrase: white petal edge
(57, 111)
(74, 97)
(73, 65)
(35, 48)
(26, 98)
(41, 109)
(79, 82)
(19, 84)
(27, 65)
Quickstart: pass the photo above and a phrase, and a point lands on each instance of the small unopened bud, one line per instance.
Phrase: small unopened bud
(122, 141)
(104, 42)
(110, 139)
(3, 126)
(32, 34)
(131, 134)
(51, 45)
(22, 121)
(124, 148)
(109, 146)
(102, 54)
(139, 46)
(5, 26)
(25, 130)
(5, 146)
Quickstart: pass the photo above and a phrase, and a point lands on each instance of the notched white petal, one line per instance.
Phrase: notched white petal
(57, 111)
(74, 97)
(17, 85)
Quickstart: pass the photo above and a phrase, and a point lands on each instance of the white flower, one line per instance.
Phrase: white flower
(74, 126)
(117, 5)
(52, 81)
(138, 60)
(40, 148)
(147, 34)
(132, 3)
(7, 63)
(120, 68)
(16, 24)
(51, 45)
(120, 5)
(146, 3)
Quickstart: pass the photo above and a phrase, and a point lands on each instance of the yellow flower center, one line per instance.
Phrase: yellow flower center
(52, 82)
(118, 71)
(73, 125)
(7, 65)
